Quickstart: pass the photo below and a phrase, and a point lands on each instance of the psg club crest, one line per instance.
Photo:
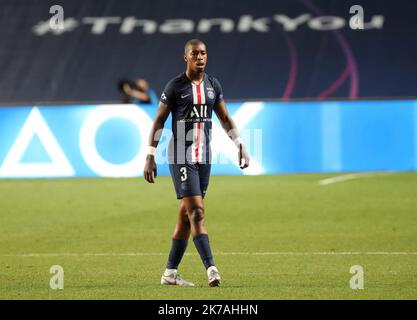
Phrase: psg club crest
(210, 94)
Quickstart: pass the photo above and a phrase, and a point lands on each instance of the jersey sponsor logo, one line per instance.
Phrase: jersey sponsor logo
(201, 114)
(194, 113)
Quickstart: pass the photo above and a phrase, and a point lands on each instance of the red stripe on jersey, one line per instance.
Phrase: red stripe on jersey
(198, 140)
(199, 93)
(198, 87)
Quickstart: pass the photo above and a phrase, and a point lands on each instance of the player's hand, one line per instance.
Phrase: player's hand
(243, 157)
(150, 172)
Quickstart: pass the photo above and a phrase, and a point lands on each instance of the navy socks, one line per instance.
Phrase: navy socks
(177, 252)
(178, 248)
(202, 244)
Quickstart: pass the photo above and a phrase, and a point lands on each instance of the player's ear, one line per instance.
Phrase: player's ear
(185, 58)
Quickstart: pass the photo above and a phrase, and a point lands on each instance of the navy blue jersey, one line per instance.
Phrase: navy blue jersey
(192, 108)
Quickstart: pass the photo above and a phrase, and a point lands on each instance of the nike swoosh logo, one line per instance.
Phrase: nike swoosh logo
(185, 95)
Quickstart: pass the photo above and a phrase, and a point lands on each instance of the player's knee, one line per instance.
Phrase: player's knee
(196, 215)
(186, 221)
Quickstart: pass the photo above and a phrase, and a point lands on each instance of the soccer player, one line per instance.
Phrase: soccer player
(191, 97)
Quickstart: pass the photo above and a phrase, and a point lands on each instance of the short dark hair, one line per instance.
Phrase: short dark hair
(193, 42)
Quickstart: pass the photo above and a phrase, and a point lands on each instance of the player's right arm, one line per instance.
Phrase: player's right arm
(150, 171)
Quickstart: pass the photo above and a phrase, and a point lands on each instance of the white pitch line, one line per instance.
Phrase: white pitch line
(139, 254)
(350, 176)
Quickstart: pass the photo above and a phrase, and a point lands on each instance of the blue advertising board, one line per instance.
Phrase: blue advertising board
(287, 137)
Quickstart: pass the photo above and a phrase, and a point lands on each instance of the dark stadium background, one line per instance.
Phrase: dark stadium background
(79, 66)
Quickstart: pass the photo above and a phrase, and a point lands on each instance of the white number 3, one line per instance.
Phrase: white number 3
(184, 173)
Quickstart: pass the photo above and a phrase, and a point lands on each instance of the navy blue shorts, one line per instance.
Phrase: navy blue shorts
(190, 179)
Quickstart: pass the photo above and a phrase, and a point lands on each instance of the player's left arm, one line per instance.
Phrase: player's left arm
(230, 127)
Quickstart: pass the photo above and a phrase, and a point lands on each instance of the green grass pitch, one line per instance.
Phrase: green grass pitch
(272, 238)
